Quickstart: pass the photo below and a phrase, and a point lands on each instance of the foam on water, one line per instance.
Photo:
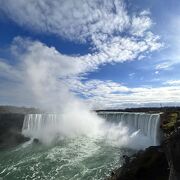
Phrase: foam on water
(76, 158)
(85, 155)
(147, 124)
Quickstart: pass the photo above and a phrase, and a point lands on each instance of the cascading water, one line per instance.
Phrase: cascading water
(37, 125)
(33, 123)
(148, 124)
(81, 156)
(45, 127)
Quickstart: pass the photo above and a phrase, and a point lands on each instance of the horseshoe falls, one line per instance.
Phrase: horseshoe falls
(70, 151)
(147, 124)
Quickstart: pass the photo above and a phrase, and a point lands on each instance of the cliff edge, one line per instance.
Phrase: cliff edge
(158, 162)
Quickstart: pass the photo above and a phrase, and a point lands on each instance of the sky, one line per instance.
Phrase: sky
(110, 53)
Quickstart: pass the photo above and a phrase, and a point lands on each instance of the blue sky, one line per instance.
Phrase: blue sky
(112, 54)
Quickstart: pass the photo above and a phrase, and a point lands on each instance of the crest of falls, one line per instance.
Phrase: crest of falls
(147, 124)
(114, 126)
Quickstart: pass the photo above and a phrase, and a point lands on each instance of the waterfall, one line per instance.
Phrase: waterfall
(148, 124)
(35, 123)
(45, 126)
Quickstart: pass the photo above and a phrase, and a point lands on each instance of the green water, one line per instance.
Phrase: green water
(70, 159)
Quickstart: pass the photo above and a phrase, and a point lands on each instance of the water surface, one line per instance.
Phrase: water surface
(79, 158)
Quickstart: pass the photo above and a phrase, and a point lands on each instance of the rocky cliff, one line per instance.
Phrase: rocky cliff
(10, 130)
(150, 164)
(11, 122)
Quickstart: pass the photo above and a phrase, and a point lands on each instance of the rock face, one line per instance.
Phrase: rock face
(172, 149)
(150, 164)
(11, 122)
(10, 130)
(171, 142)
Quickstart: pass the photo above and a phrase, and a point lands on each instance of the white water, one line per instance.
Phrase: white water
(86, 146)
(147, 124)
(50, 127)
(135, 130)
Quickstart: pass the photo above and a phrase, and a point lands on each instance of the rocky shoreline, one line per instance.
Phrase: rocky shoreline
(150, 164)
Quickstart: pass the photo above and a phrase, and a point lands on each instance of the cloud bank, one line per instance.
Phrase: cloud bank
(102, 23)
(40, 72)
(115, 36)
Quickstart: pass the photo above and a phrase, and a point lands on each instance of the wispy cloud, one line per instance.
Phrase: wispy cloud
(108, 94)
(131, 75)
(106, 25)
(163, 66)
(71, 19)
(170, 33)
(172, 82)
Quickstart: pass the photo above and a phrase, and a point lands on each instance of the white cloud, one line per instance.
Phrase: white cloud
(168, 64)
(141, 23)
(100, 22)
(8, 71)
(172, 82)
(68, 18)
(40, 71)
(163, 66)
(36, 72)
(108, 94)
(114, 35)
